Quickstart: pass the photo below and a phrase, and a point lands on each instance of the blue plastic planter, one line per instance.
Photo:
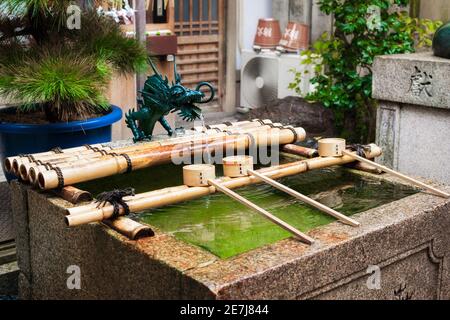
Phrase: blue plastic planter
(16, 138)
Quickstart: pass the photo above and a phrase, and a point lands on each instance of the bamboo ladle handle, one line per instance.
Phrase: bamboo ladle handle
(298, 234)
(398, 174)
(305, 199)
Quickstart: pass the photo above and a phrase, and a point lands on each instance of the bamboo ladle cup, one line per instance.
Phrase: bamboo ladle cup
(337, 148)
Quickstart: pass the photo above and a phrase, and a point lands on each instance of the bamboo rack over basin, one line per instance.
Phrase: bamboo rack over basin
(89, 214)
(108, 166)
(12, 164)
(29, 171)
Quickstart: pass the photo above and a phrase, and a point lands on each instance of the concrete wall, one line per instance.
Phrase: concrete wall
(250, 11)
(303, 11)
(435, 9)
(414, 114)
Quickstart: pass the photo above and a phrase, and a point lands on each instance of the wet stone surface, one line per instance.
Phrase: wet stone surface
(407, 239)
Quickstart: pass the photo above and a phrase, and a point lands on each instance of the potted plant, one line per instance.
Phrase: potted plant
(58, 74)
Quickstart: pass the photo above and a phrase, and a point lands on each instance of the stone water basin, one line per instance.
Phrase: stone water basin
(226, 228)
(213, 248)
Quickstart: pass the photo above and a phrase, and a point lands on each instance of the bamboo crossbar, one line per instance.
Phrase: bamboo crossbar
(85, 215)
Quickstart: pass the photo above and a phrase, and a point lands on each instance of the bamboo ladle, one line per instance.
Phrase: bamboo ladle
(337, 148)
(242, 166)
(305, 199)
(297, 234)
(204, 175)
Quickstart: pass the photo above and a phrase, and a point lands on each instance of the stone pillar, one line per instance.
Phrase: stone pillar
(413, 124)
(280, 11)
(320, 22)
(303, 11)
(300, 11)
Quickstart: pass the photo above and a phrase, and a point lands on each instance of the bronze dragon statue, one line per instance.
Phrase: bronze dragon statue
(159, 98)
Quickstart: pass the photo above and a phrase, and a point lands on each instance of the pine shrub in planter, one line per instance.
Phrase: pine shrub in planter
(59, 74)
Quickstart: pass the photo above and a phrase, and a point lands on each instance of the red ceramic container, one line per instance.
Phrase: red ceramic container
(295, 37)
(268, 33)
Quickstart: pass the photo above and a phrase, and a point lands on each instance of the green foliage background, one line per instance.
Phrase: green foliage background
(343, 60)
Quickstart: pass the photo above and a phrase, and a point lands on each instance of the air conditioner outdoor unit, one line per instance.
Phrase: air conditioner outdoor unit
(266, 76)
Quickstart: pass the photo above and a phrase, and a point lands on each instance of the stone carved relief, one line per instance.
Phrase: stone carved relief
(415, 274)
(403, 294)
(387, 133)
(421, 83)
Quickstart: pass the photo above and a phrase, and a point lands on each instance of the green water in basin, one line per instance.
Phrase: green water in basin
(227, 228)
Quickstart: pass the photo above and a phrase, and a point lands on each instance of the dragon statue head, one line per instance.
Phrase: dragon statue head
(175, 97)
(161, 97)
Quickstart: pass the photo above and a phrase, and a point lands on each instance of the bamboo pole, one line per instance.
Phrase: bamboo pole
(27, 170)
(12, 164)
(361, 166)
(223, 126)
(298, 234)
(94, 205)
(108, 166)
(300, 151)
(31, 171)
(74, 195)
(9, 160)
(62, 158)
(306, 199)
(129, 228)
(398, 174)
(85, 215)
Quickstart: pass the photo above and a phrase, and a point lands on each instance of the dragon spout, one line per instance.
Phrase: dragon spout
(159, 98)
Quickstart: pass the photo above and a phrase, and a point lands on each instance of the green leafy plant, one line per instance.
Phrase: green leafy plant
(64, 71)
(421, 30)
(343, 60)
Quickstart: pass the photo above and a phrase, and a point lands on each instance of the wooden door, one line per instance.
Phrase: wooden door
(200, 25)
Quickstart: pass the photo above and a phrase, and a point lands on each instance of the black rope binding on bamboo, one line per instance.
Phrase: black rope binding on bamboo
(260, 121)
(61, 182)
(129, 162)
(294, 132)
(113, 154)
(115, 198)
(30, 157)
(127, 158)
(57, 150)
